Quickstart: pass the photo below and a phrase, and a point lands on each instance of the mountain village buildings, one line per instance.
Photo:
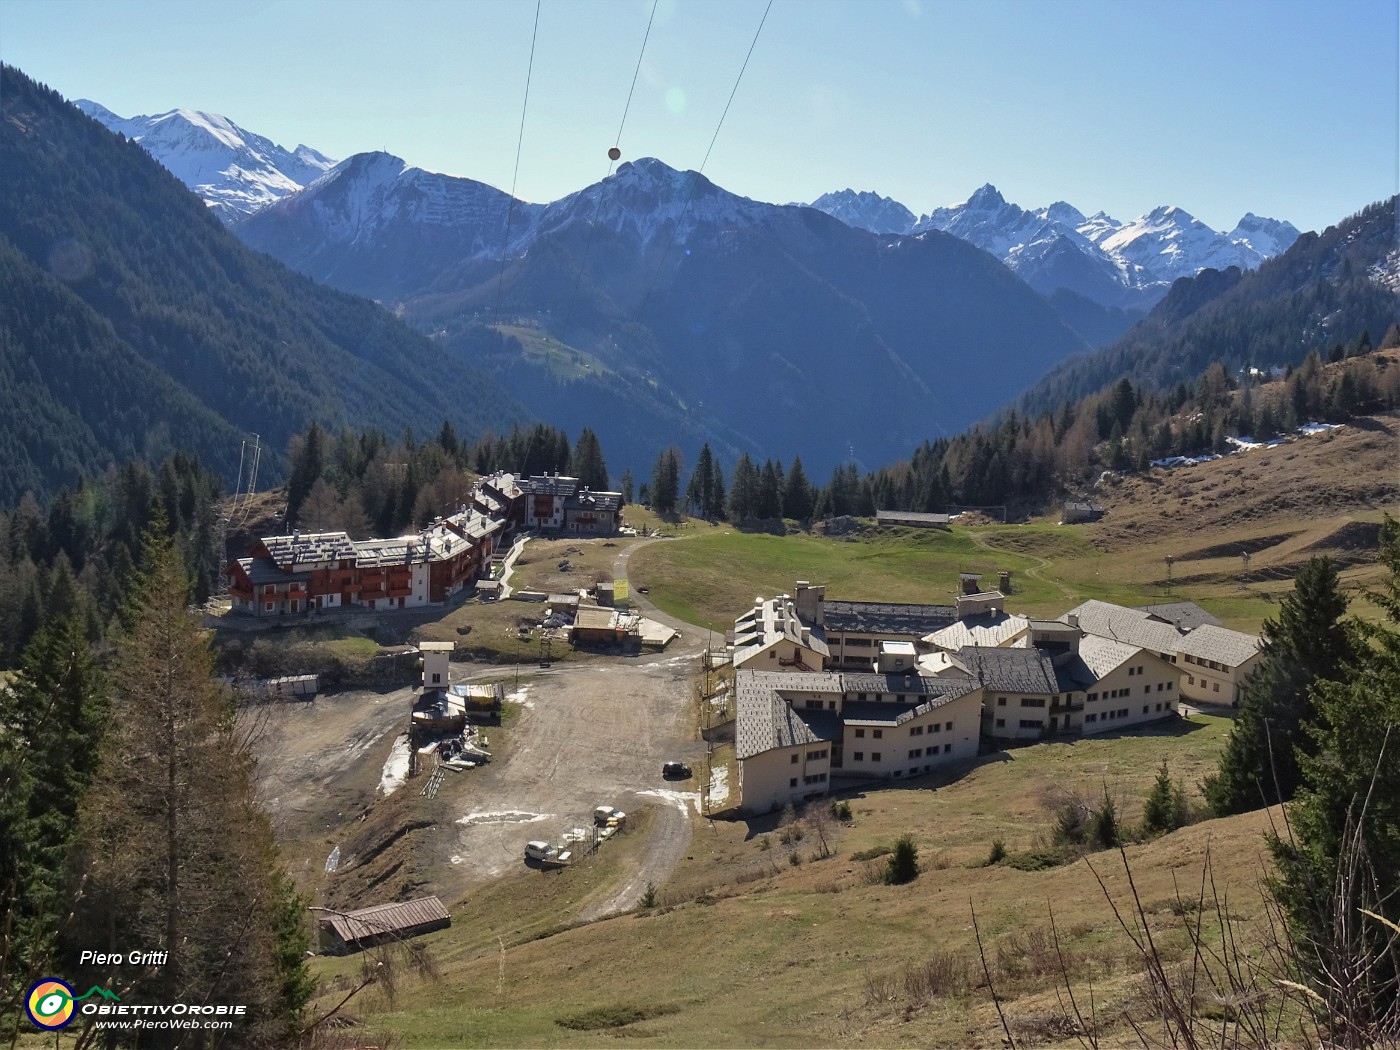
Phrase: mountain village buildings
(296, 574)
(859, 690)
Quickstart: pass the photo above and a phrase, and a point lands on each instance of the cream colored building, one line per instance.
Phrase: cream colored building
(1214, 661)
(796, 730)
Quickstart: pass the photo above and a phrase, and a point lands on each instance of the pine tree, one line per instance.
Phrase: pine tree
(743, 491)
(1164, 809)
(797, 493)
(627, 485)
(1342, 853)
(665, 482)
(587, 460)
(308, 461)
(51, 724)
(704, 493)
(1308, 643)
(175, 854)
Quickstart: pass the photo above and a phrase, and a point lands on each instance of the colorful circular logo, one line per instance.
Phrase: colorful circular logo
(49, 1003)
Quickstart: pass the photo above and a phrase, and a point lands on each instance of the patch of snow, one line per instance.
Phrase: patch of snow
(395, 767)
(333, 861)
(519, 697)
(682, 800)
(719, 785)
(507, 816)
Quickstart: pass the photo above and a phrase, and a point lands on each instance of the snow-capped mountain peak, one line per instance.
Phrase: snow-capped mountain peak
(236, 172)
(866, 211)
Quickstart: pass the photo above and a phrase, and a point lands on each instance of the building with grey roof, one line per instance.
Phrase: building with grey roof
(795, 731)
(1215, 662)
(1185, 616)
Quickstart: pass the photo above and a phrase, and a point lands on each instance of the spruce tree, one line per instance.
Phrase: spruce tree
(588, 464)
(1307, 643)
(743, 491)
(665, 482)
(174, 853)
(797, 493)
(1341, 852)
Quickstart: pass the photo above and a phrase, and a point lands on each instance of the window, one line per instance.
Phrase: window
(1001, 701)
(1091, 717)
(947, 749)
(1169, 686)
(814, 756)
(916, 730)
(1216, 686)
(794, 758)
(1132, 671)
(792, 782)
(859, 756)
(874, 756)
(1139, 668)
(1159, 707)
(1147, 689)
(913, 771)
(860, 734)
(860, 696)
(1161, 686)
(1190, 679)
(1093, 696)
(831, 705)
(1032, 723)
(437, 678)
(948, 726)
(1029, 701)
(269, 606)
(900, 698)
(1001, 723)
(813, 705)
(1144, 708)
(878, 734)
(916, 752)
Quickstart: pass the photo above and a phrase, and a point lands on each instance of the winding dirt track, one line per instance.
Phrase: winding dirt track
(588, 734)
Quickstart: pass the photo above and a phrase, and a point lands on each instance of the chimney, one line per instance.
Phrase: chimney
(1073, 620)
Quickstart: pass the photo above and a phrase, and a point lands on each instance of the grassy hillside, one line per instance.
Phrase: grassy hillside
(1280, 505)
(747, 947)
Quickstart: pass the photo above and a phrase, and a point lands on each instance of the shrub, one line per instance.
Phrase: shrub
(649, 896)
(903, 865)
(841, 811)
(998, 853)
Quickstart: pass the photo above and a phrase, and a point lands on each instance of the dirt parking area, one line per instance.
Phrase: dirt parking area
(583, 735)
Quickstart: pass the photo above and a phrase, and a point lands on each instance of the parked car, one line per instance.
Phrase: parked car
(607, 816)
(546, 854)
(676, 771)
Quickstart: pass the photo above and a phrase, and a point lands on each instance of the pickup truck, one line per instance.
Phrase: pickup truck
(544, 853)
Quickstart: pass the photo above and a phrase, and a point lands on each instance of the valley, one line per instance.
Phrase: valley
(773, 930)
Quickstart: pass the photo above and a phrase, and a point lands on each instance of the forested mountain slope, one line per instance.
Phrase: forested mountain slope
(1326, 289)
(132, 323)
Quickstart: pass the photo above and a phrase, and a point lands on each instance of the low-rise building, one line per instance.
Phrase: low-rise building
(1214, 661)
(796, 731)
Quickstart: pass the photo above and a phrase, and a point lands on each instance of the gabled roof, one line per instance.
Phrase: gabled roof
(1185, 615)
(1220, 644)
(385, 919)
(265, 570)
(1125, 625)
(773, 621)
(1010, 670)
(1103, 656)
(765, 721)
(993, 629)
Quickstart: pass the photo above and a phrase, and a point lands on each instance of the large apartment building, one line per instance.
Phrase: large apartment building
(935, 683)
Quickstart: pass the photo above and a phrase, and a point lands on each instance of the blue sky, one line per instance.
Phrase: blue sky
(1285, 108)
